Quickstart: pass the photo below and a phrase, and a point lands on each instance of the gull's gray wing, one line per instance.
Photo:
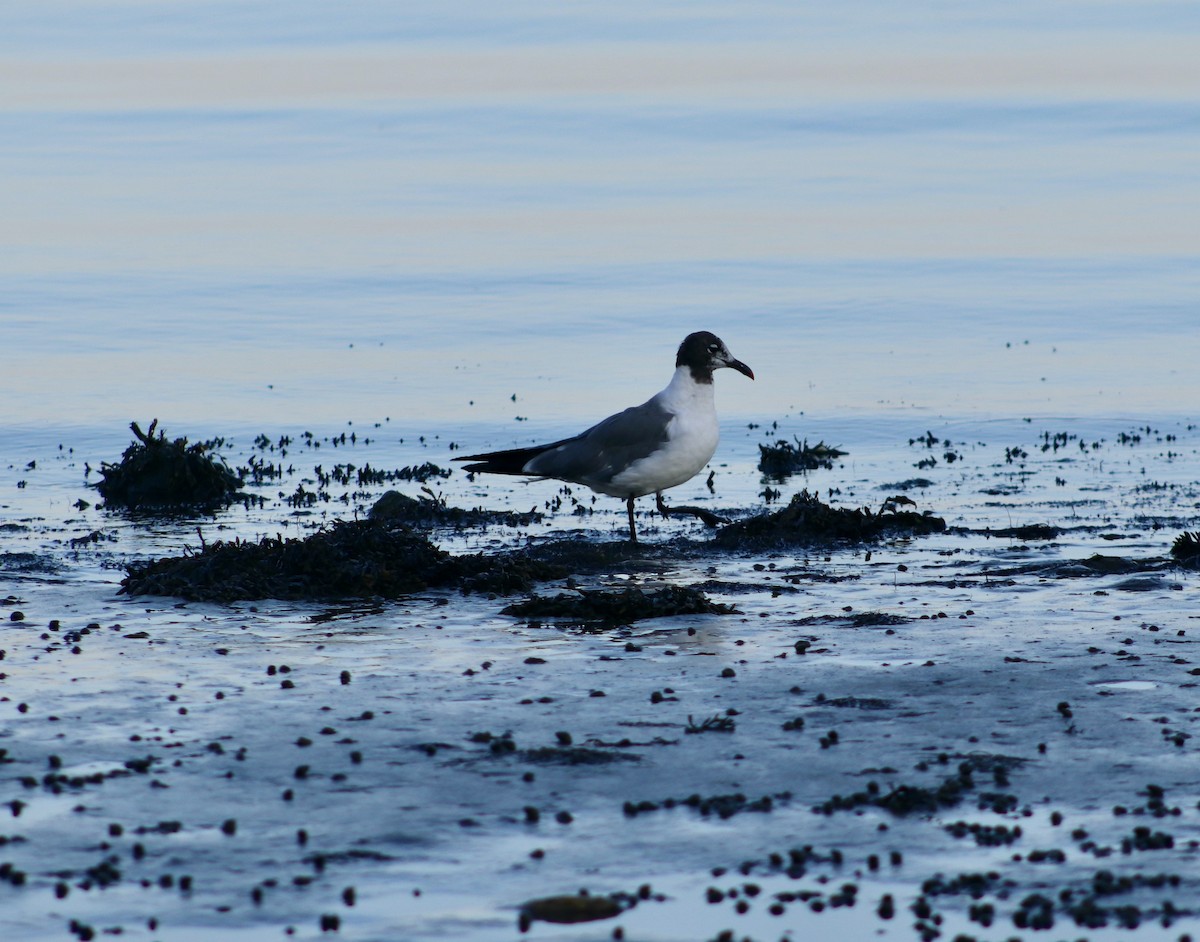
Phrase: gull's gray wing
(608, 448)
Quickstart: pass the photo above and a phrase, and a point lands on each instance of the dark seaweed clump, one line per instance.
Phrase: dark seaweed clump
(568, 909)
(583, 907)
(1030, 531)
(157, 474)
(856, 619)
(576, 755)
(781, 459)
(1186, 549)
(904, 800)
(351, 559)
(424, 511)
(620, 607)
(723, 806)
(806, 520)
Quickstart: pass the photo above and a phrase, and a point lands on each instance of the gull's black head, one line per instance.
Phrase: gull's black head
(703, 352)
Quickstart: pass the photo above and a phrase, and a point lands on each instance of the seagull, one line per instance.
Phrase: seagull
(644, 450)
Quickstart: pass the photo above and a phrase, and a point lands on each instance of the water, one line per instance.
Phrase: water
(488, 225)
(223, 215)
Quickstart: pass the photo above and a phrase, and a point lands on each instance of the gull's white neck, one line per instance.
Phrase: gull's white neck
(684, 393)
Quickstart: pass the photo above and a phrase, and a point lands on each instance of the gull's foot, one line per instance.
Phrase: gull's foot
(710, 519)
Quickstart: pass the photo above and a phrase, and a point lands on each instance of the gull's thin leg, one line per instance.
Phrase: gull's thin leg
(632, 529)
(662, 508)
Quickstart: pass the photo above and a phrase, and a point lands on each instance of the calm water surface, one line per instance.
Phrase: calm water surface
(215, 213)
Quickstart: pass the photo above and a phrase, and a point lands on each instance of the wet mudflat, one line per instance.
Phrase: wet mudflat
(982, 730)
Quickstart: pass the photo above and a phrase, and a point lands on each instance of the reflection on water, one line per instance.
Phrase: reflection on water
(1128, 685)
(331, 219)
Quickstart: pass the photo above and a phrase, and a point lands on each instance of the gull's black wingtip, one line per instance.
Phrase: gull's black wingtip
(511, 461)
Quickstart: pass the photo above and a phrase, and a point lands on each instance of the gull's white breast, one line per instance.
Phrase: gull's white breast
(692, 436)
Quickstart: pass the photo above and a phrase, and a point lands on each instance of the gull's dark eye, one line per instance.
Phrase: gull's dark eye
(714, 349)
